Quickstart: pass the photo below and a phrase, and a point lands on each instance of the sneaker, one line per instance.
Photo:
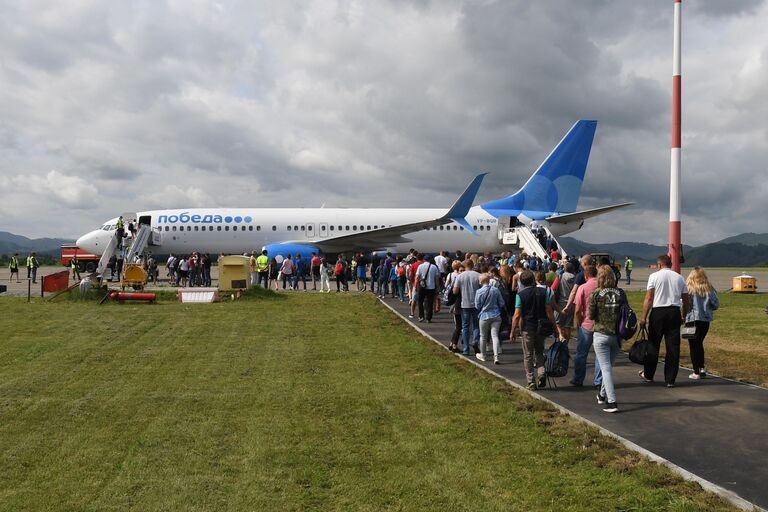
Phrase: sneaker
(600, 399)
(612, 407)
(421, 319)
(641, 373)
(410, 316)
(543, 382)
(702, 373)
(670, 384)
(479, 356)
(694, 376)
(531, 386)
(496, 360)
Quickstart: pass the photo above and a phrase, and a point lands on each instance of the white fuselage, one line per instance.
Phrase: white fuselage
(239, 230)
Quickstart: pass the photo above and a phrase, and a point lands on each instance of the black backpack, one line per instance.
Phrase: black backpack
(558, 359)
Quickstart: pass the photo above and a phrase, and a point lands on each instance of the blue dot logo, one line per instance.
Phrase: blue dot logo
(247, 219)
(227, 219)
(238, 219)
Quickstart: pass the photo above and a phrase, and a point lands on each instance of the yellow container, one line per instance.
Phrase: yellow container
(234, 273)
(134, 275)
(744, 284)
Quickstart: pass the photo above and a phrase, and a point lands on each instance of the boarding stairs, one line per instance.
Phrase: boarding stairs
(131, 247)
(522, 237)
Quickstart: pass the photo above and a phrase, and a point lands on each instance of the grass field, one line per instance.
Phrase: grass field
(736, 344)
(299, 402)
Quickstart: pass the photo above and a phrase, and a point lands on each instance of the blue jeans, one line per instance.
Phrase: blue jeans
(606, 349)
(583, 344)
(470, 321)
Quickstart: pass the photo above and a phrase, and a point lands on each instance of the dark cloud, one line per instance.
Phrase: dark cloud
(391, 103)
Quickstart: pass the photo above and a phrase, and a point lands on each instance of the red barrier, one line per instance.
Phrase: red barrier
(55, 282)
(133, 296)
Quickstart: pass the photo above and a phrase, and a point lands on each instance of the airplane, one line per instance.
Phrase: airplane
(549, 197)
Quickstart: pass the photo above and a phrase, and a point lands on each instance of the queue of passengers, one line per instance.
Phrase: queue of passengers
(189, 271)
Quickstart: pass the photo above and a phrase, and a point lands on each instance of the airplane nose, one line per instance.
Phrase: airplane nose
(89, 242)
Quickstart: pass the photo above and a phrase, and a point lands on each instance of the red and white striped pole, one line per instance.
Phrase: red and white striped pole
(675, 247)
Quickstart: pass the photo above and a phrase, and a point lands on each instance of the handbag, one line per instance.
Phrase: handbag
(688, 330)
(642, 349)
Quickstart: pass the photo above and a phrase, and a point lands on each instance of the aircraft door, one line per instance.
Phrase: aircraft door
(323, 229)
(310, 231)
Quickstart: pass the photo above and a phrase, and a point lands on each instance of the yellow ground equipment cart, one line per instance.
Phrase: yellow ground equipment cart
(134, 276)
(234, 273)
(744, 284)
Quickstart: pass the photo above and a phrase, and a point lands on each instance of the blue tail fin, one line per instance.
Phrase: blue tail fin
(556, 185)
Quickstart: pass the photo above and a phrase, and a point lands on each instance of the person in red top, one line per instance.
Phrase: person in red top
(554, 256)
(414, 291)
(314, 264)
(584, 337)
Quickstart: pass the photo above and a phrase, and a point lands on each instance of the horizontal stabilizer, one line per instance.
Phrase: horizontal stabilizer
(567, 218)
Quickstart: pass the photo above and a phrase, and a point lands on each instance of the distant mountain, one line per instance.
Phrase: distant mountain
(10, 243)
(751, 239)
(640, 253)
(745, 250)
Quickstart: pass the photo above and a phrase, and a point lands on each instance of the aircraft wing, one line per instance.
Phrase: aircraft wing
(567, 218)
(384, 237)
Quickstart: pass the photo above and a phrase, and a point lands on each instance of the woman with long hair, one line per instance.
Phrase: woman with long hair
(704, 302)
(604, 304)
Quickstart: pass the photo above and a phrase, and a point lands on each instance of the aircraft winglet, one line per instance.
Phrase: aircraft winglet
(461, 207)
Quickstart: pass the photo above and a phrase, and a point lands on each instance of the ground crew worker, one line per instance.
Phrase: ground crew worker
(75, 268)
(14, 267)
(120, 232)
(262, 267)
(628, 268)
(32, 265)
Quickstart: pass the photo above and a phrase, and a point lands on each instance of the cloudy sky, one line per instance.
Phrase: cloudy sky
(108, 107)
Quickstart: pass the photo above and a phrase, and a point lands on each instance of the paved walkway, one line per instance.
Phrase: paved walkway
(714, 428)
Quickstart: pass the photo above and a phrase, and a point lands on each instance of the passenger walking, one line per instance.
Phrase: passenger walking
(13, 266)
(704, 303)
(401, 280)
(340, 272)
(561, 289)
(120, 231)
(664, 309)
(325, 276)
(427, 278)
(489, 304)
(584, 336)
(300, 274)
(286, 271)
(467, 284)
(252, 268)
(274, 273)
(604, 306)
(362, 280)
(74, 264)
(314, 264)
(455, 308)
(532, 310)
(414, 267)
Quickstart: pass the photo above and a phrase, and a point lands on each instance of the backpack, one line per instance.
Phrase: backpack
(626, 324)
(558, 358)
(339, 269)
(543, 326)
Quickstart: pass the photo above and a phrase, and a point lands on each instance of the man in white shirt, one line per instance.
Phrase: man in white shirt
(427, 279)
(667, 303)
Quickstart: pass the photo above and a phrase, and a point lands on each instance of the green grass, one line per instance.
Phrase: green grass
(736, 344)
(306, 402)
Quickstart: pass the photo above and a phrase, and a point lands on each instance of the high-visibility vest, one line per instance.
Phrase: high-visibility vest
(120, 224)
(262, 263)
(73, 263)
(29, 262)
(629, 264)
(14, 263)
